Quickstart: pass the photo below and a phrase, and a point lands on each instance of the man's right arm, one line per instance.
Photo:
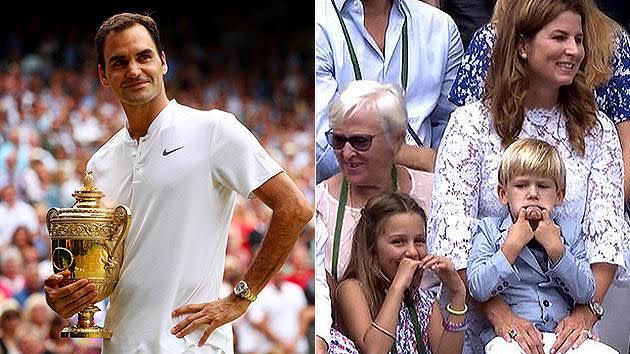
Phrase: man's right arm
(69, 299)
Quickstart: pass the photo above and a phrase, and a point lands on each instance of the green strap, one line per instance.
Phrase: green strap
(341, 209)
(405, 54)
(416, 326)
(404, 71)
(394, 174)
(353, 56)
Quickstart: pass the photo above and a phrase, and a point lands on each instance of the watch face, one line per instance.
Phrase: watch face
(240, 287)
(598, 308)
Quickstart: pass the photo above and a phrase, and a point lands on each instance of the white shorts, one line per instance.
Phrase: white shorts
(500, 346)
(207, 348)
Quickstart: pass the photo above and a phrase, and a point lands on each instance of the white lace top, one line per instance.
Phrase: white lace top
(465, 182)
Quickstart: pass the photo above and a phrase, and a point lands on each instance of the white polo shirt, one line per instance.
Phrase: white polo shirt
(179, 182)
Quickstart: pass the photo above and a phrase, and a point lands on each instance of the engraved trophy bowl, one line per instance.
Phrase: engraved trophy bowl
(87, 240)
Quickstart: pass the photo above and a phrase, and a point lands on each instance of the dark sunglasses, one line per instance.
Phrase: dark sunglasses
(361, 142)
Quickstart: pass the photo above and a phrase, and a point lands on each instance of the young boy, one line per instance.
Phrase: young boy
(537, 265)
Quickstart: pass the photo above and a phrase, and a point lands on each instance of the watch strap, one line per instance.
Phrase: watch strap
(242, 290)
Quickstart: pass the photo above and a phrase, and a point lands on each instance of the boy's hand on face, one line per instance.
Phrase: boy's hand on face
(520, 233)
(548, 235)
(533, 213)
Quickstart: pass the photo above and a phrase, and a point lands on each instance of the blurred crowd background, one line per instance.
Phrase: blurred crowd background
(54, 115)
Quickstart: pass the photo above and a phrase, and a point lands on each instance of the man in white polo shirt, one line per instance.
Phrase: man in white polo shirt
(178, 170)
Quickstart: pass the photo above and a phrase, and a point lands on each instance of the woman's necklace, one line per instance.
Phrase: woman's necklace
(355, 210)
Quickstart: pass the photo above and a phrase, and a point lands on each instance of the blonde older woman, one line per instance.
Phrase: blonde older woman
(368, 121)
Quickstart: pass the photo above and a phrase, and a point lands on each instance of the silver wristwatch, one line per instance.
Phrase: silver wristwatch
(597, 309)
(241, 289)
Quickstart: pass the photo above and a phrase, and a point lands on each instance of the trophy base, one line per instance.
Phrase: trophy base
(85, 326)
(90, 332)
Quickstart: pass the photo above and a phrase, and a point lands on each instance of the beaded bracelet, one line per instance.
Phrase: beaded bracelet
(456, 312)
(454, 326)
(383, 330)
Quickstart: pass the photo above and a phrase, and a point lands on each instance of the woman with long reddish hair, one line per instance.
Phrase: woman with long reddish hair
(537, 87)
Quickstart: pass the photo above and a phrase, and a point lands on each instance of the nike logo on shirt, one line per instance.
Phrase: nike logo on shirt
(165, 152)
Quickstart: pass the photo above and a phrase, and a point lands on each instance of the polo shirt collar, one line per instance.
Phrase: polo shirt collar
(340, 4)
(157, 122)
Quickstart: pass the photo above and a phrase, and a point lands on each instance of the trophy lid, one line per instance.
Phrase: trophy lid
(88, 196)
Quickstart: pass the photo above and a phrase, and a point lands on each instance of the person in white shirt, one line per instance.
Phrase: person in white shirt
(178, 169)
(280, 316)
(407, 43)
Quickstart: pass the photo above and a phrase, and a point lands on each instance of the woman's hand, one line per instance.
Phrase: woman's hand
(574, 329)
(512, 327)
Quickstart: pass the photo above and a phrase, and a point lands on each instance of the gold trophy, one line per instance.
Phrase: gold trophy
(87, 240)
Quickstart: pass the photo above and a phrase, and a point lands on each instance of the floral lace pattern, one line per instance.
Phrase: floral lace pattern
(405, 335)
(613, 98)
(465, 180)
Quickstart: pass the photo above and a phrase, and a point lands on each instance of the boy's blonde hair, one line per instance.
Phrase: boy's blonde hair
(532, 157)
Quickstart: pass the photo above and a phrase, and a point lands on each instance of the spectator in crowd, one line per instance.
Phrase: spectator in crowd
(281, 315)
(469, 15)
(527, 250)
(421, 55)
(536, 87)
(15, 212)
(30, 343)
(54, 343)
(368, 122)
(32, 283)
(607, 69)
(10, 320)
(11, 268)
(380, 303)
(36, 317)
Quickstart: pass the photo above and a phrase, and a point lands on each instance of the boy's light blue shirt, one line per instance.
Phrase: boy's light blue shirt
(543, 298)
(435, 52)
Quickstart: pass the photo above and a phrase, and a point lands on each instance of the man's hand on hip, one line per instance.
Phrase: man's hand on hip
(214, 314)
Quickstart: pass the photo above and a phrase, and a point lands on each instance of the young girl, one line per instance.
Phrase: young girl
(380, 307)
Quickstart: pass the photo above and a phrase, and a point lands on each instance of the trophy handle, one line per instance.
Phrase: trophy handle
(64, 256)
(122, 217)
